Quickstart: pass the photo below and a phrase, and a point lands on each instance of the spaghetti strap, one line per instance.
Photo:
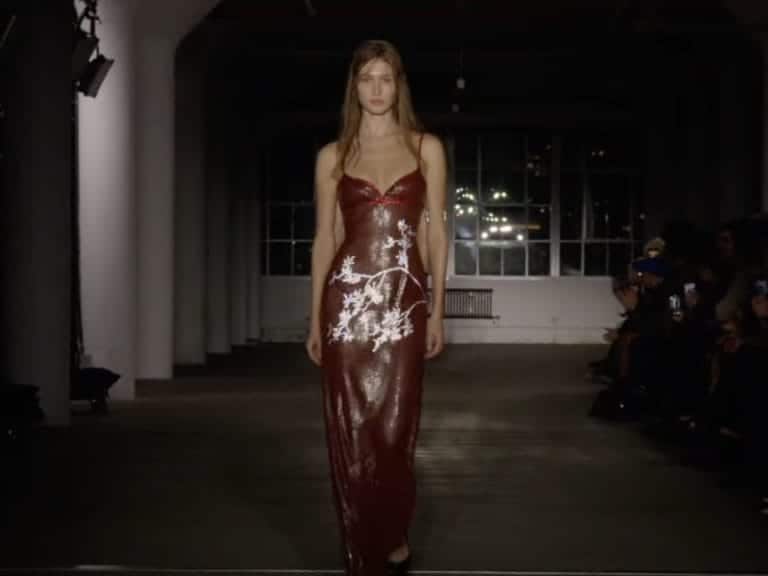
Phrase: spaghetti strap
(421, 139)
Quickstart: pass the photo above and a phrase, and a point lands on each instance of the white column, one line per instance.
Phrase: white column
(217, 241)
(239, 268)
(154, 199)
(189, 291)
(127, 210)
(255, 246)
(160, 30)
(107, 128)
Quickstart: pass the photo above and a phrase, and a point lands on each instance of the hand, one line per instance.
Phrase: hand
(610, 335)
(314, 347)
(629, 298)
(435, 337)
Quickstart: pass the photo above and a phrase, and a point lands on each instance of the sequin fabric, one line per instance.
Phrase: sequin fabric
(374, 311)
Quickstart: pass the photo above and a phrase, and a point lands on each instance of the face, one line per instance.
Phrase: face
(376, 87)
(725, 244)
(760, 306)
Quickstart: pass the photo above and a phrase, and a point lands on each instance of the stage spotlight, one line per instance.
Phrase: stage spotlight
(81, 55)
(94, 75)
(87, 73)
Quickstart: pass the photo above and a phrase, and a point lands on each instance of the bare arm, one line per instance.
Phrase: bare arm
(436, 234)
(329, 229)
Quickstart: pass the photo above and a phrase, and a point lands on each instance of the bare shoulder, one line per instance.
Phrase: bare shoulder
(432, 151)
(326, 159)
(431, 145)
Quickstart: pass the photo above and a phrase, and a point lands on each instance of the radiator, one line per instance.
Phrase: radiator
(468, 303)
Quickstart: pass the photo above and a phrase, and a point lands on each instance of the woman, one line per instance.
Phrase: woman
(376, 188)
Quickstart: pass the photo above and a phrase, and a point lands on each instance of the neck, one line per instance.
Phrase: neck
(377, 125)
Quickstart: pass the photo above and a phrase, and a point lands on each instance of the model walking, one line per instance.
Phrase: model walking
(380, 197)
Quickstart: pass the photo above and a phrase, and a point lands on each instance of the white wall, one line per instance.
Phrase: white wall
(536, 310)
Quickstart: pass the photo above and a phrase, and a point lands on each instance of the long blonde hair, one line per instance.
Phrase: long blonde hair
(351, 113)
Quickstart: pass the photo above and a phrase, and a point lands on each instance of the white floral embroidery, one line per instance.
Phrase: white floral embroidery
(393, 324)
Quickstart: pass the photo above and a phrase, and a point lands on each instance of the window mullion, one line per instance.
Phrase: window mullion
(555, 218)
(480, 202)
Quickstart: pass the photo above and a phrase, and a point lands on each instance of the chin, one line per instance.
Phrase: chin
(378, 108)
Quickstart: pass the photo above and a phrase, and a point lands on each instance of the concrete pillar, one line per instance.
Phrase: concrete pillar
(218, 219)
(254, 186)
(36, 207)
(127, 168)
(154, 205)
(107, 148)
(239, 260)
(190, 272)
(764, 120)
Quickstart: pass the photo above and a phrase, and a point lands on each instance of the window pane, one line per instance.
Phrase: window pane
(538, 223)
(607, 152)
(596, 263)
(280, 258)
(503, 224)
(465, 259)
(538, 167)
(303, 222)
(302, 258)
(570, 156)
(490, 260)
(570, 259)
(618, 259)
(539, 264)
(465, 222)
(280, 222)
(570, 206)
(466, 186)
(608, 215)
(514, 261)
(502, 159)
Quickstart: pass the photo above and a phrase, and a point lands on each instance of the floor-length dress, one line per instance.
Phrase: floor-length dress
(374, 311)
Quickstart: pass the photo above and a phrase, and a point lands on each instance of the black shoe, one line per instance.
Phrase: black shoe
(399, 568)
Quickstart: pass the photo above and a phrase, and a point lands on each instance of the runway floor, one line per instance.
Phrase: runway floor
(223, 470)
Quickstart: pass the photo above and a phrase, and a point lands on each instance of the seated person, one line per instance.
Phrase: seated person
(641, 338)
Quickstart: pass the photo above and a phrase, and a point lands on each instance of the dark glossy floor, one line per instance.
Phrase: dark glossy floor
(225, 468)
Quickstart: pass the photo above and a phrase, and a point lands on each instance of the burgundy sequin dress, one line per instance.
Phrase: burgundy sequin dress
(374, 311)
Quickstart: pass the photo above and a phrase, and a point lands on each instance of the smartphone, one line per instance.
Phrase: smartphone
(689, 287)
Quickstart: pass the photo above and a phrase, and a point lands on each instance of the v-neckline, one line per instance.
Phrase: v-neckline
(376, 188)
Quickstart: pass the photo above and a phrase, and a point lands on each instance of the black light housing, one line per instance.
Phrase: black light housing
(81, 55)
(94, 75)
(88, 74)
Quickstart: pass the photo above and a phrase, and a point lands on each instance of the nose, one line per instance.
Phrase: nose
(377, 87)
